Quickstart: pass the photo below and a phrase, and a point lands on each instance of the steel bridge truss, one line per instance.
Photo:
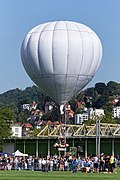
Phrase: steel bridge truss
(68, 130)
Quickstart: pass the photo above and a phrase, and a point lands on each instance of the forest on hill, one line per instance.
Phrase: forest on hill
(100, 96)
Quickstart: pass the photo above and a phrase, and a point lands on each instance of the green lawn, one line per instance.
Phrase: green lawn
(36, 175)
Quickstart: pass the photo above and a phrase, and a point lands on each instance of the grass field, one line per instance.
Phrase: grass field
(36, 175)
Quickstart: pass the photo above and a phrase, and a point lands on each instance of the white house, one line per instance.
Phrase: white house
(16, 130)
(116, 112)
(80, 118)
(96, 112)
(89, 113)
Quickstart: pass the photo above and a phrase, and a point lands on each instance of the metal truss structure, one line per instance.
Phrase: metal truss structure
(79, 131)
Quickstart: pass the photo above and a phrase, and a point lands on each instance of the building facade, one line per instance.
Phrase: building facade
(116, 112)
(83, 136)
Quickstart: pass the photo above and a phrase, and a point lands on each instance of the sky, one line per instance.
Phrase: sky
(18, 17)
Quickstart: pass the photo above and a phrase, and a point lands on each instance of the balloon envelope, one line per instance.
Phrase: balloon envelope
(61, 58)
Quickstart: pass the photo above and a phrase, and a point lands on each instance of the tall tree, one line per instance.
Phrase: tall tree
(6, 118)
(113, 88)
(100, 87)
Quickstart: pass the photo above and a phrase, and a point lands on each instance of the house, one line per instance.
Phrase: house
(25, 128)
(16, 130)
(88, 113)
(116, 112)
(80, 118)
(96, 112)
(49, 106)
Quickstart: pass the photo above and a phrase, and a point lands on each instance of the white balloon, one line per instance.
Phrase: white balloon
(61, 58)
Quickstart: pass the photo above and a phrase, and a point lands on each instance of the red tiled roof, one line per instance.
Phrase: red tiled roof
(27, 125)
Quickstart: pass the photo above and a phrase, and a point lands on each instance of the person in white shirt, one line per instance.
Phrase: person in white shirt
(43, 165)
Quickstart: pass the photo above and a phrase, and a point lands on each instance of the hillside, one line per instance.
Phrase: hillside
(16, 97)
(100, 96)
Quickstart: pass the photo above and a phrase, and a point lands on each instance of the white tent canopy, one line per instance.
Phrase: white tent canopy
(18, 153)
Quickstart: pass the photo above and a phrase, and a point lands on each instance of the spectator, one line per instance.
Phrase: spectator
(95, 161)
(75, 165)
(102, 163)
(111, 163)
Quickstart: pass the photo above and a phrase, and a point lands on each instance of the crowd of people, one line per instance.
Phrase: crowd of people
(63, 163)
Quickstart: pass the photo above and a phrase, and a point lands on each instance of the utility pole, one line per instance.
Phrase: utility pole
(65, 127)
(98, 137)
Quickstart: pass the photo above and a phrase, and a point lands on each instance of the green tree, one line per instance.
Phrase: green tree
(22, 117)
(46, 116)
(79, 111)
(73, 104)
(107, 118)
(90, 92)
(6, 118)
(7, 114)
(100, 87)
(113, 88)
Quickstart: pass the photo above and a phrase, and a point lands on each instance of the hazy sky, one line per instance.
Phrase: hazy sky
(17, 17)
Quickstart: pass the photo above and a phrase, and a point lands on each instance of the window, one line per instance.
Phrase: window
(16, 130)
